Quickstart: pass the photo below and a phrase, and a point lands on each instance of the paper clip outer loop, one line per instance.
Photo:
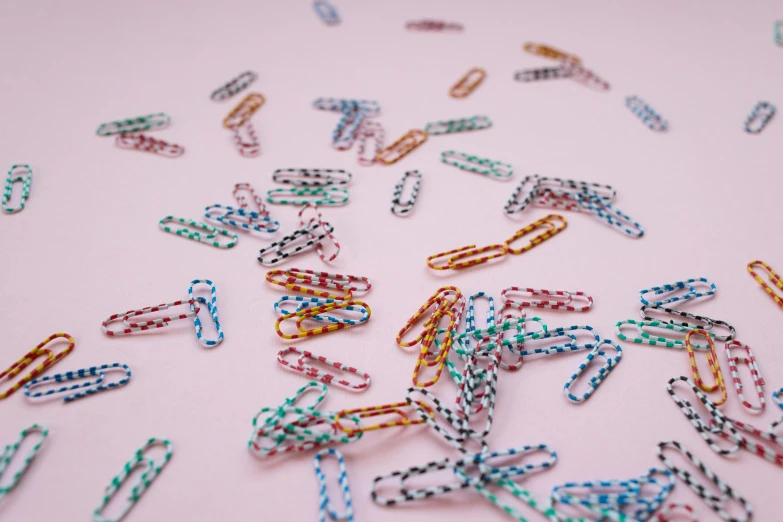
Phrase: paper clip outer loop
(436, 300)
(553, 229)
(324, 502)
(86, 389)
(316, 374)
(240, 114)
(159, 120)
(762, 112)
(234, 86)
(375, 411)
(152, 470)
(24, 174)
(10, 451)
(402, 147)
(211, 305)
(600, 375)
(758, 380)
(468, 83)
(712, 359)
(306, 313)
(28, 358)
(773, 277)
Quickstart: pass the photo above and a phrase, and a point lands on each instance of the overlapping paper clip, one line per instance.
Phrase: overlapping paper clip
(131, 323)
(773, 276)
(572, 195)
(130, 136)
(570, 67)
(331, 303)
(356, 124)
(241, 218)
(238, 122)
(322, 187)
(311, 234)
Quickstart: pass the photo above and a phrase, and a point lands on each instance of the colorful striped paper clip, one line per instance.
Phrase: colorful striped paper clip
(395, 409)
(468, 83)
(326, 12)
(294, 278)
(712, 360)
(774, 278)
(151, 469)
(758, 380)
(83, 389)
(562, 299)
(370, 107)
(369, 129)
(547, 51)
(716, 503)
(646, 113)
(132, 327)
(314, 231)
(39, 351)
(311, 372)
(211, 237)
(670, 288)
(402, 147)
(321, 196)
(543, 73)
(309, 312)
(211, 305)
(324, 502)
(402, 208)
(484, 166)
(761, 114)
(234, 86)
(23, 174)
(246, 140)
(152, 121)
(240, 219)
(346, 131)
(603, 372)
(312, 177)
(459, 125)
(666, 514)
(241, 199)
(588, 78)
(241, 114)
(143, 143)
(433, 25)
(10, 451)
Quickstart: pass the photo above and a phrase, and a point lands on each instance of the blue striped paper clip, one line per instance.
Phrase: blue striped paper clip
(82, 389)
(211, 305)
(324, 502)
(690, 284)
(326, 12)
(603, 372)
(10, 451)
(762, 112)
(344, 133)
(240, 219)
(647, 114)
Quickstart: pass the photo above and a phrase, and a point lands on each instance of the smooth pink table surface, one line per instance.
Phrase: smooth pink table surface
(88, 244)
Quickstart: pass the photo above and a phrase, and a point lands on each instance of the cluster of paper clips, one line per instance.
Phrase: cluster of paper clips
(129, 134)
(472, 255)
(331, 303)
(132, 325)
(355, 125)
(322, 187)
(17, 174)
(570, 66)
(311, 234)
(238, 120)
(572, 195)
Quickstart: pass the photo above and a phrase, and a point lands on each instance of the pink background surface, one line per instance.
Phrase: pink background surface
(87, 245)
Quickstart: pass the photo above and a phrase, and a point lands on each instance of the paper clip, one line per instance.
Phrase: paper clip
(468, 83)
(311, 372)
(712, 359)
(24, 174)
(401, 208)
(242, 200)
(10, 452)
(514, 205)
(324, 503)
(142, 123)
(402, 147)
(432, 25)
(664, 514)
(543, 73)
(151, 470)
(86, 389)
(407, 495)
(549, 52)
(377, 411)
(323, 196)
(211, 305)
(304, 232)
(690, 284)
(779, 32)
(713, 502)
(773, 278)
(309, 312)
(295, 277)
(762, 112)
(246, 140)
(646, 113)
(589, 79)
(240, 114)
(141, 142)
(326, 12)
(554, 304)
(130, 328)
(312, 226)
(39, 351)
(367, 130)
(240, 219)
(478, 165)
(312, 177)
(371, 107)
(758, 380)
(234, 86)
(599, 376)
(345, 132)
(459, 125)
(210, 238)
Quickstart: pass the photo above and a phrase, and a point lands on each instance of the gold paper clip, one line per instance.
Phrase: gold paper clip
(242, 112)
(468, 83)
(550, 52)
(402, 147)
(39, 351)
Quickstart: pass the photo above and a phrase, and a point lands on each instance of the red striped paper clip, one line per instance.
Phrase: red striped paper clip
(311, 372)
(750, 362)
(160, 322)
(562, 299)
(142, 142)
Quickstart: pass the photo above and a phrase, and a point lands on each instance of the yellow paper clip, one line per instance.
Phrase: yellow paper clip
(32, 355)
(402, 147)
(712, 359)
(468, 83)
(550, 52)
(242, 112)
